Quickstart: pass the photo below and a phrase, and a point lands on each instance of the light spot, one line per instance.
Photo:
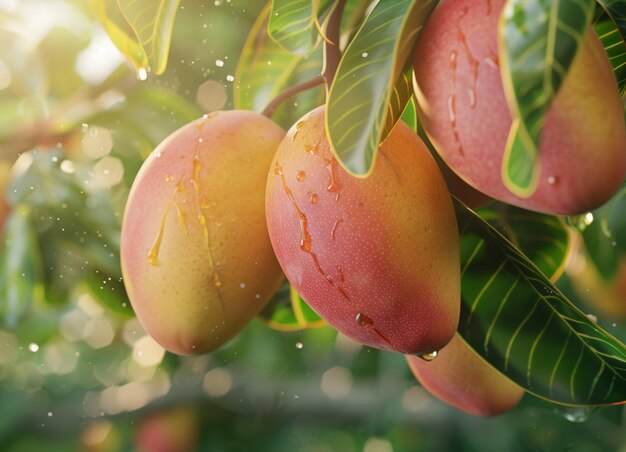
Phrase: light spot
(147, 352)
(211, 95)
(377, 445)
(336, 382)
(217, 382)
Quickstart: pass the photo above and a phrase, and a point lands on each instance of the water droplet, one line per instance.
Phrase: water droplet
(242, 285)
(576, 414)
(313, 197)
(33, 347)
(278, 170)
(299, 345)
(142, 74)
(429, 356)
(219, 63)
(364, 320)
(581, 222)
(169, 178)
(593, 318)
(553, 180)
(298, 127)
(364, 54)
(333, 231)
(230, 78)
(50, 414)
(300, 176)
(217, 283)
(473, 63)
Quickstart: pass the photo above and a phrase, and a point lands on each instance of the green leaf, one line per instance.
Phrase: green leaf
(20, 267)
(539, 40)
(516, 319)
(287, 311)
(400, 99)
(78, 233)
(544, 239)
(141, 29)
(616, 9)
(294, 24)
(359, 100)
(265, 69)
(111, 294)
(604, 234)
(409, 115)
(613, 42)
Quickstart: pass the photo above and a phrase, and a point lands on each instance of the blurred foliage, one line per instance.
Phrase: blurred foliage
(78, 372)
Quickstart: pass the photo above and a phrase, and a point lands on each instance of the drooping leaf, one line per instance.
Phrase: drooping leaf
(287, 311)
(614, 45)
(141, 29)
(540, 39)
(359, 100)
(616, 9)
(294, 24)
(400, 99)
(515, 318)
(265, 69)
(544, 239)
(20, 267)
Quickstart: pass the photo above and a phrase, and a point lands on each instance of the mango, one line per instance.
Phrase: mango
(459, 377)
(377, 258)
(171, 429)
(196, 257)
(464, 111)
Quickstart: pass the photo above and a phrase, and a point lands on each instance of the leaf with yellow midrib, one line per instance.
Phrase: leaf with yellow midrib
(140, 29)
(361, 108)
(517, 320)
(538, 40)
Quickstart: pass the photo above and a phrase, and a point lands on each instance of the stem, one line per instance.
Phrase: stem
(291, 91)
(332, 51)
(332, 56)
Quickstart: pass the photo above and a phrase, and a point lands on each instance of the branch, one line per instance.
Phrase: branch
(291, 91)
(332, 51)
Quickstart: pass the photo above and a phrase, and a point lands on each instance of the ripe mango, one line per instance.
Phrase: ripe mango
(377, 258)
(461, 378)
(196, 257)
(463, 109)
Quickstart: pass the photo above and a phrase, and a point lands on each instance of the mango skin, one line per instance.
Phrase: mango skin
(196, 257)
(377, 258)
(459, 377)
(462, 107)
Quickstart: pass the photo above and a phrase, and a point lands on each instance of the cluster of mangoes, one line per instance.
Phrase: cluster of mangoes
(228, 204)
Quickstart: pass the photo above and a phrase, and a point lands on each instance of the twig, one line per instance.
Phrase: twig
(332, 51)
(291, 91)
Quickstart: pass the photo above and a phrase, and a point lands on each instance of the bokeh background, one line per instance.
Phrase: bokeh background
(77, 371)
